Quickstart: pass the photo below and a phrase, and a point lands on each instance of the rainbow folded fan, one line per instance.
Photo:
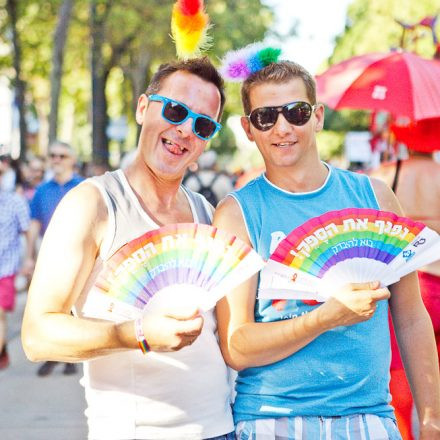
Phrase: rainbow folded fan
(350, 245)
(178, 264)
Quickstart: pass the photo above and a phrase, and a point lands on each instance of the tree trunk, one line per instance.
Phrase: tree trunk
(100, 153)
(138, 74)
(60, 37)
(20, 86)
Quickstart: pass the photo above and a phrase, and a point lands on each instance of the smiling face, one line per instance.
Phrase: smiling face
(285, 147)
(168, 149)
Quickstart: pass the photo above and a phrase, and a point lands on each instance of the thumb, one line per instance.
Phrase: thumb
(380, 294)
(184, 313)
(371, 285)
(191, 327)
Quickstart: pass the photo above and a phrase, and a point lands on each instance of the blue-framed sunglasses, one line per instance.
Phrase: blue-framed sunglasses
(176, 113)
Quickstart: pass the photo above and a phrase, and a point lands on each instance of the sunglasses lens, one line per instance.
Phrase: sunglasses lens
(297, 113)
(204, 127)
(175, 112)
(264, 118)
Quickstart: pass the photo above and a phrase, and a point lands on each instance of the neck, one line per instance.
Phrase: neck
(298, 178)
(63, 177)
(152, 190)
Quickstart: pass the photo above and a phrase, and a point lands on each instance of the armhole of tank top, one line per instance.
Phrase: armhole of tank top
(192, 204)
(111, 222)
(373, 193)
(244, 218)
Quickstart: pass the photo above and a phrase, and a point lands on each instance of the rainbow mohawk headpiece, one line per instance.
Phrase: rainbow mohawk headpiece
(189, 28)
(239, 64)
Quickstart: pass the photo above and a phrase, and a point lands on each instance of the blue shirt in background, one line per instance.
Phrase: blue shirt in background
(46, 199)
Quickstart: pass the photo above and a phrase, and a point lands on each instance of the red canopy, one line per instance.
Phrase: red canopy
(420, 136)
(401, 83)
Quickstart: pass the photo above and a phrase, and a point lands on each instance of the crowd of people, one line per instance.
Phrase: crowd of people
(304, 370)
(30, 190)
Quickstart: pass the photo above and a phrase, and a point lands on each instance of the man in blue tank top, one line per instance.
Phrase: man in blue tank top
(314, 370)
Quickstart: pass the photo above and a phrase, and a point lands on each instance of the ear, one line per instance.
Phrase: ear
(246, 124)
(319, 114)
(142, 106)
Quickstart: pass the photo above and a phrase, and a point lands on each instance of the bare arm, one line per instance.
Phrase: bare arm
(415, 336)
(246, 343)
(65, 261)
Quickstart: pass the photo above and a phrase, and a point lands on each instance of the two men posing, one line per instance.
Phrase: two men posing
(326, 370)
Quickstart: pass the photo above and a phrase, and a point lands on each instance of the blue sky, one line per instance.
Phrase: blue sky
(319, 22)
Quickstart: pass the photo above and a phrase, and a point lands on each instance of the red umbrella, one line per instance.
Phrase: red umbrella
(420, 136)
(401, 83)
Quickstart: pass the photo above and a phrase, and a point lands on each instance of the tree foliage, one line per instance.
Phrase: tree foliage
(127, 40)
(372, 26)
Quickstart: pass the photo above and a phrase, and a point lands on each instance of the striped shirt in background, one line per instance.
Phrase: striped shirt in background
(14, 219)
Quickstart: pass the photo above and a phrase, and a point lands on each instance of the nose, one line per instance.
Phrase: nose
(282, 125)
(185, 129)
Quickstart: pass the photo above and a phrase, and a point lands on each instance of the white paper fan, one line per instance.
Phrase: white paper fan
(184, 263)
(349, 245)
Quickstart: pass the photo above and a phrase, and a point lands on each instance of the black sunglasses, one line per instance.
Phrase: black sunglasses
(296, 113)
(176, 113)
(58, 156)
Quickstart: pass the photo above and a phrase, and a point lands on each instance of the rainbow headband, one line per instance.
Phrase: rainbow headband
(189, 26)
(238, 65)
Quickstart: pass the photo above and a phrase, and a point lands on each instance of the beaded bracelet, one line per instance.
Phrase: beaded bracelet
(140, 337)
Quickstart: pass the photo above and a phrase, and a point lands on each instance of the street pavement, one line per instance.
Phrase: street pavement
(38, 408)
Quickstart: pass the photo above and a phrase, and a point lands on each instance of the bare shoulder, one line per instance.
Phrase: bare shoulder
(385, 196)
(228, 216)
(82, 211)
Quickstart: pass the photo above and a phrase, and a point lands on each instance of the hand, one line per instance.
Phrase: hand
(173, 330)
(28, 267)
(352, 304)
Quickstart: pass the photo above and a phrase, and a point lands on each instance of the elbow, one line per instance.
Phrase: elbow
(235, 359)
(31, 346)
(235, 364)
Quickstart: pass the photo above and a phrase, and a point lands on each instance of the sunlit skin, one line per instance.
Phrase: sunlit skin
(168, 149)
(288, 149)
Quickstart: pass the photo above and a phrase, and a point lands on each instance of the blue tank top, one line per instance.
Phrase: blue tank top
(343, 371)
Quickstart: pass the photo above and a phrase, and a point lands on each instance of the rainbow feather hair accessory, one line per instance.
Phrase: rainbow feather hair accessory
(189, 28)
(238, 65)
(353, 245)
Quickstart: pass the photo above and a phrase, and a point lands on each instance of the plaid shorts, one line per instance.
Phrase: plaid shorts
(7, 293)
(355, 427)
(229, 436)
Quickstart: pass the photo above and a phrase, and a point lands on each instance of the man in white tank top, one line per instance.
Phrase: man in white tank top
(179, 389)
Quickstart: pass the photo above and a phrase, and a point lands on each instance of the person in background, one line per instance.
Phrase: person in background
(14, 221)
(206, 180)
(416, 183)
(33, 173)
(310, 370)
(9, 174)
(62, 160)
(160, 375)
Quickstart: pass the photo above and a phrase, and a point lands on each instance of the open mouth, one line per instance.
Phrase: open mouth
(173, 148)
(284, 144)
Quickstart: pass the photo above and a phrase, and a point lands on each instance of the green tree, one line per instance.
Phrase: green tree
(372, 27)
